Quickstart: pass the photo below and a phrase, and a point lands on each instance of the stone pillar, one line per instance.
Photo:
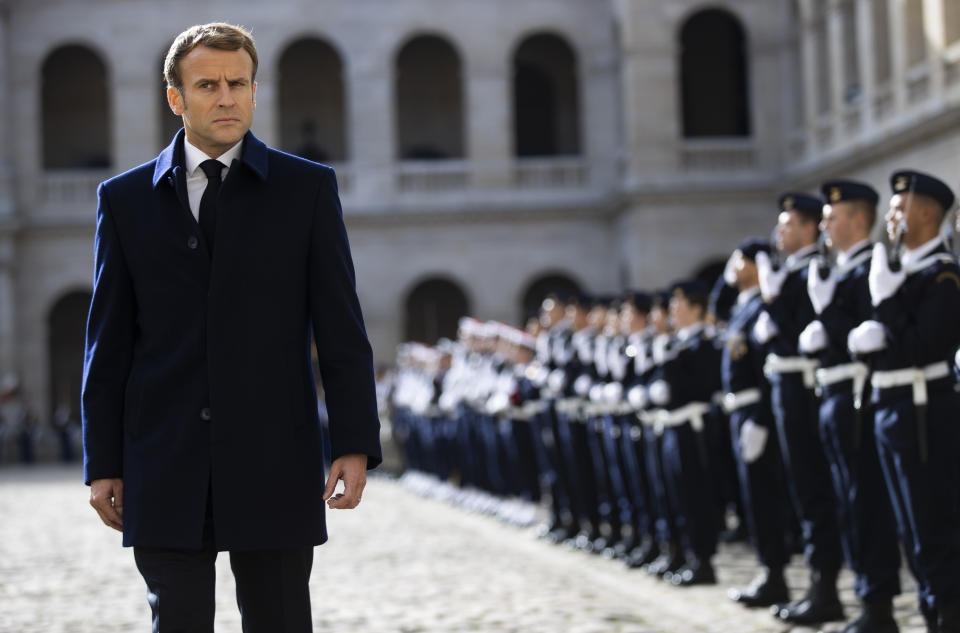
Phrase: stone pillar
(6, 164)
(865, 59)
(935, 30)
(370, 119)
(838, 78)
(598, 116)
(810, 84)
(8, 334)
(489, 120)
(898, 53)
(132, 98)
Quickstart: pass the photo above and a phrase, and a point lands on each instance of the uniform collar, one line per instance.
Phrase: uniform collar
(747, 295)
(253, 155)
(798, 256)
(690, 331)
(915, 255)
(847, 255)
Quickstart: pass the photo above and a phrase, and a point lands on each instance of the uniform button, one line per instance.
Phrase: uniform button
(205, 414)
(192, 242)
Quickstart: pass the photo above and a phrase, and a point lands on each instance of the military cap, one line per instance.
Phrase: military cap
(690, 288)
(722, 299)
(845, 190)
(753, 245)
(640, 300)
(808, 206)
(908, 181)
(662, 297)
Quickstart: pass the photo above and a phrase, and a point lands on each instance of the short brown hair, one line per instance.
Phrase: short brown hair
(219, 35)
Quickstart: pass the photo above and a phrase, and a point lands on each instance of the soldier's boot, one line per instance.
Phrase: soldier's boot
(697, 571)
(646, 553)
(766, 589)
(820, 604)
(876, 617)
(670, 560)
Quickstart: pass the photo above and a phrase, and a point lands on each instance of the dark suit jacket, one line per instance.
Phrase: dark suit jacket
(197, 372)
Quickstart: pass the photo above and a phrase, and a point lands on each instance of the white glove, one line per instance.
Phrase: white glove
(660, 393)
(866, 338)
(820, 290)
(730, 270)
(771, 281)
(660, 351)
(764, 329)
(581, 386)
(956, 359)
(556, 380)
(813, 338)
(612, 393)
(883, 281)
(596, 393)
(753, 439)
(637, 397)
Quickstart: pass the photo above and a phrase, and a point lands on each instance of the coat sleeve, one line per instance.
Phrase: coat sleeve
(108, 351)
(343, 350)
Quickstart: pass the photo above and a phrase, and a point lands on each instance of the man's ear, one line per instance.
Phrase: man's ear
(254, 95)
(175, 100)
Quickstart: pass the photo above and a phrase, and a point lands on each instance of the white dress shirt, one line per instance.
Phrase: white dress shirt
(196, 179)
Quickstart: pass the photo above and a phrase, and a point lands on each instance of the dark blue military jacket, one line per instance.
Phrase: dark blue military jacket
(692, 371)
(791, 310)
(197, 374)
(743, 356)
(921, 321)
(850, 307)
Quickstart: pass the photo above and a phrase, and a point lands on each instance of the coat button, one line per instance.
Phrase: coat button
(192, 242)
(205, 414)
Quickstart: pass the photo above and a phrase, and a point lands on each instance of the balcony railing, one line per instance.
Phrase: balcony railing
(718, 154)
(70, 186)
(432, 176)
(550, 173)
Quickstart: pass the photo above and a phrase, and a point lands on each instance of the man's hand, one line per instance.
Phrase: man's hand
(106, 497)
(352, 469)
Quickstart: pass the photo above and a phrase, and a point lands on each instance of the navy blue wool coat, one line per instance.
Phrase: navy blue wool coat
(197, 371)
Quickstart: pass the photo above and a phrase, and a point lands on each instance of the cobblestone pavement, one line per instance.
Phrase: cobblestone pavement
(400, 563)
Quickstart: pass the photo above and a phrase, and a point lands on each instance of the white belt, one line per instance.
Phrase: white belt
(692, 412)
(792, 365)
(839, 373)
(914, 376)
(740, 399)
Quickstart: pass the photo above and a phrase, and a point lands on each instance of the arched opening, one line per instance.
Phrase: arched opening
(433, 309)
(713, 69)
(546, 107)
(540, 288)
(67, 328)
(311, 101)
(75, 108)
(429, 93)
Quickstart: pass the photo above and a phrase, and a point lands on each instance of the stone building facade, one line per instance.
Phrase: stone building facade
(486, 150)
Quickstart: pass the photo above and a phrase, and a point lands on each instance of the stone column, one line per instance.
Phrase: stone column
(370, 120)
(810, 84)
(838, 78)
(6, 164)
(935, 30)
(489, 120)
(865, 59)
(132, 98)
(898, 53)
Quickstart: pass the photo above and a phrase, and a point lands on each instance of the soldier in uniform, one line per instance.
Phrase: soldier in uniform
(787, 311)
(684, 391)
(746, 400)
(912, 338)
(841, 300)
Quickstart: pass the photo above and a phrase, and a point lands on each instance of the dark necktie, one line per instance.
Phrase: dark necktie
(208, 203)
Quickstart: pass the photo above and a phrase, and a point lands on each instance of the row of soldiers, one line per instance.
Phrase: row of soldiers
(812, 391)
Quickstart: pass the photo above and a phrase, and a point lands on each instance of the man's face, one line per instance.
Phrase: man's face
(838, 224)
(683, 313)
(904, 207)
(792, 233)
(217, 102)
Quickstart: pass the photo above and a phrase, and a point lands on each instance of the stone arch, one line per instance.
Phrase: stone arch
(430, 118)
(714, 75)
(66, 331)
(546, 97)
(544, 284)
(75, 109)
(311, 100)
(432, 309)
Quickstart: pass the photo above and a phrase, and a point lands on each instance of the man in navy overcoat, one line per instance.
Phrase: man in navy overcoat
(199, 406)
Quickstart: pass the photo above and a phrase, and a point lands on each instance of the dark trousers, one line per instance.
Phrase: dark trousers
(632, 452)
(762, 490)
(925, 496)
(868, 528)
(808, 475)
(272, 587)
(664, 521)
(690, 491)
